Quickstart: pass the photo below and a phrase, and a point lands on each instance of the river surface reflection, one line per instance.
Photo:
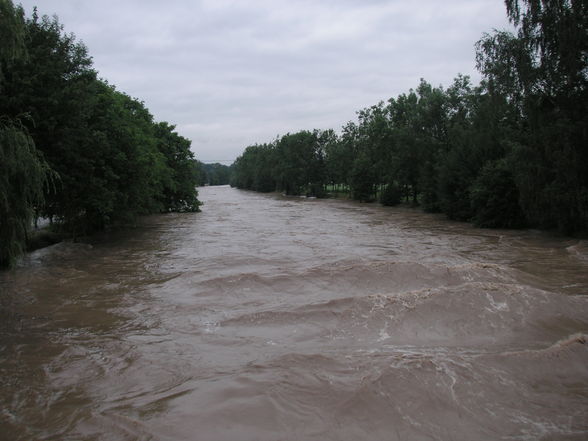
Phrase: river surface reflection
(274, 318)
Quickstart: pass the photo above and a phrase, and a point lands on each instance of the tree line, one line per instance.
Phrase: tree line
(214, 174)
(510, 152)
(73, 148)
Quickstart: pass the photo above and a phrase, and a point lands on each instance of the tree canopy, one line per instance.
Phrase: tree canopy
(214, 174)
(509, 152)
(73, 148)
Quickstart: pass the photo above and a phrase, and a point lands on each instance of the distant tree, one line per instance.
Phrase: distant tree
(200, 173)
(495, 198)
(338, 160)
(438, 111)
(507, 153)
(317, 171)
(300, 163)
(391, 195)
(340, 154)
(255, 168)
(374, 139)
(405, 161)
(216, 174)
(363, 178)
(264, 171)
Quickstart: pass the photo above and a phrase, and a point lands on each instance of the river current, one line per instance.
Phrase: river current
(274, 318)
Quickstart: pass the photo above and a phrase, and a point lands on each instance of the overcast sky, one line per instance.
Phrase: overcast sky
(231, 73)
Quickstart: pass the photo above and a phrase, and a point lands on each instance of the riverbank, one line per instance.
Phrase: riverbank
(42, 238)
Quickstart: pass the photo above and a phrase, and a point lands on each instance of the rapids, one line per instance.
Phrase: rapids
(272, 318)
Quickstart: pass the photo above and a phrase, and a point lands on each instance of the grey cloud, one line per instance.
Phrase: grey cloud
(232, 73)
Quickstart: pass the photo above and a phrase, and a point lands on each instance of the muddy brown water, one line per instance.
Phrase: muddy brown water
(274, 318)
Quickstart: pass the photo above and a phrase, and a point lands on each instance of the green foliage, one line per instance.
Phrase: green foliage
(363, 179)
(12, 36)
(179, 172)
(110, 159)
(542, 71)
(429, 186)
(215, 174)
(23, 172)
(338, 157)
(391, 195)
(254, 169)
(449, 149)
(495, 198)
(23, 175)
(294, 164)
(507, 153)
(456, 175)
(300, 163)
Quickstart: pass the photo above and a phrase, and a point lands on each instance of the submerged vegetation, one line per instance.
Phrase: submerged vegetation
(73, 149)
(509, 152)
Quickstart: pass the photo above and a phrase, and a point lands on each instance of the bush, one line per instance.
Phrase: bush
(495, 198)
(391, 195)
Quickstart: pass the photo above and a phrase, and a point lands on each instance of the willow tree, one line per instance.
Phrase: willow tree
(22, 170)
(22, 178)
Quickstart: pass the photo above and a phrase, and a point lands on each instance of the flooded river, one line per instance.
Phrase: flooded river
(283, 319)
